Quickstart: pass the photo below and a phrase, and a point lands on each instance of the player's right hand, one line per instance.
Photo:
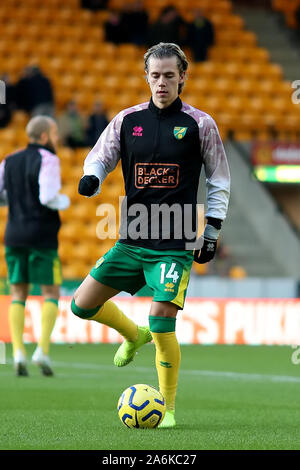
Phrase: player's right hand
(88, 185)
(207, 251)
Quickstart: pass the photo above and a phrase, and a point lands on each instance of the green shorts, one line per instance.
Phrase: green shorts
(33, 266)
(128, 268)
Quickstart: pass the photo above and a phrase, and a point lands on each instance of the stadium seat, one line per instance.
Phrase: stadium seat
(82, 212)
(66, 251)
(85, 254)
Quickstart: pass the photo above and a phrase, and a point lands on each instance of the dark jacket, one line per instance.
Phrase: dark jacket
(29, 176)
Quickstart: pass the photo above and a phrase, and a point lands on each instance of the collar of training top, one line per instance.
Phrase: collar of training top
(173, 108)
(38, 146)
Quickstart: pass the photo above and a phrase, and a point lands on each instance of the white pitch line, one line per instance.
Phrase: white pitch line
(202, 373)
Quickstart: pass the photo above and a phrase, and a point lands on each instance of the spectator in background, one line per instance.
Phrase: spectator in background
(22, 96)
(200, 35)
(135, 23)
(97, 122)
(34, 92)
(72, 127)
(170, 27)
(94, 5)
(9, 100)
(297, 16)
(114, 28)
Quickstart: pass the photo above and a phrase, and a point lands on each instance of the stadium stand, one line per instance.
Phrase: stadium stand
(239, 86)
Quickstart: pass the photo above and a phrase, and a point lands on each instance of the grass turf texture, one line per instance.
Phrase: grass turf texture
(229, 397)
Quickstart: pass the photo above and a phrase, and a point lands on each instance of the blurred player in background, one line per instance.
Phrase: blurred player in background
(30, 181)
(162, 145)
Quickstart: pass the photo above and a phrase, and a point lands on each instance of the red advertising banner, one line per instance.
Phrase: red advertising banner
(271, 153)
(203, 321)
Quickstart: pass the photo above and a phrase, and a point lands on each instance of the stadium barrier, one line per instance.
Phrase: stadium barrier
(203, 321)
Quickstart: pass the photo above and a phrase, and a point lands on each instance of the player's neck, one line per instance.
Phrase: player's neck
(160, 105)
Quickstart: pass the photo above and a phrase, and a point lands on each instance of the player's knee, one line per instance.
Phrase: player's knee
(19, 292)
(85, 313)
(51, 291)
(164, 309)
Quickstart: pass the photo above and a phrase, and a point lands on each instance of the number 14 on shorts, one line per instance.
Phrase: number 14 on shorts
(171, 274)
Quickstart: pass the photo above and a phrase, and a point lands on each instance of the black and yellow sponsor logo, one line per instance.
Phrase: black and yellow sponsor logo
(179, 132)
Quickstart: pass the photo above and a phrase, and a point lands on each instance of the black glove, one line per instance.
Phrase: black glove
(88, 185)
(207, 251)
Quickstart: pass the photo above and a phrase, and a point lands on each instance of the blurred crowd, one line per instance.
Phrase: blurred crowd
(33, 94)
(132, 25)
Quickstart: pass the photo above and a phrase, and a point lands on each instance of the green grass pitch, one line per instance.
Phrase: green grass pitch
(229, 397)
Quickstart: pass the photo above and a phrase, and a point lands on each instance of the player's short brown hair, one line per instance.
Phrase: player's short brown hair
(168, 49)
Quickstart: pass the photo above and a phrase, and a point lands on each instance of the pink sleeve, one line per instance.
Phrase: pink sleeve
(105, 154)
(2, 166)
(215, 163)
(49, 176)
(216, 170)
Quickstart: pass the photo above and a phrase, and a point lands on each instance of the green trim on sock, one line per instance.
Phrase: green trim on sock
(162, 324)
(21, 302)
(83, 313)
(55, 301)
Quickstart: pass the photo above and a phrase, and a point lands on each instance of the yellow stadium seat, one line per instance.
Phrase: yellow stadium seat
(81, 65)
(66, 251)
(71, 231)
(208, 69)
(19, 119)
(80, 155)
(266, 86)
(88, 230)
(82, 212)
(76, 270)
(280, 105)
(127, 51)
(233, 70)
(85, 254)
(225, 21)
(66, 154)
(6, 149)
(237, 104)
(124, 66)
(289, 127)
(8, 135)
(3, 269)
(247, 86)
(69, 81)
(224, 85)
(259, 104)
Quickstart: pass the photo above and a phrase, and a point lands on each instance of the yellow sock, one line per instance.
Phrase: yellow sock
(16, 315)
(49, 314)
(167, 363)
(110, 315)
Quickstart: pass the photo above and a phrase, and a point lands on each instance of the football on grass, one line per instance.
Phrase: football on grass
(141, 406)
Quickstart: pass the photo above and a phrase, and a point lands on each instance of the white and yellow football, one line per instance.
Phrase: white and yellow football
(141, 406)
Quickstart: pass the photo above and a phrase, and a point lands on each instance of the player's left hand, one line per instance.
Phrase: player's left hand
(207, 251)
